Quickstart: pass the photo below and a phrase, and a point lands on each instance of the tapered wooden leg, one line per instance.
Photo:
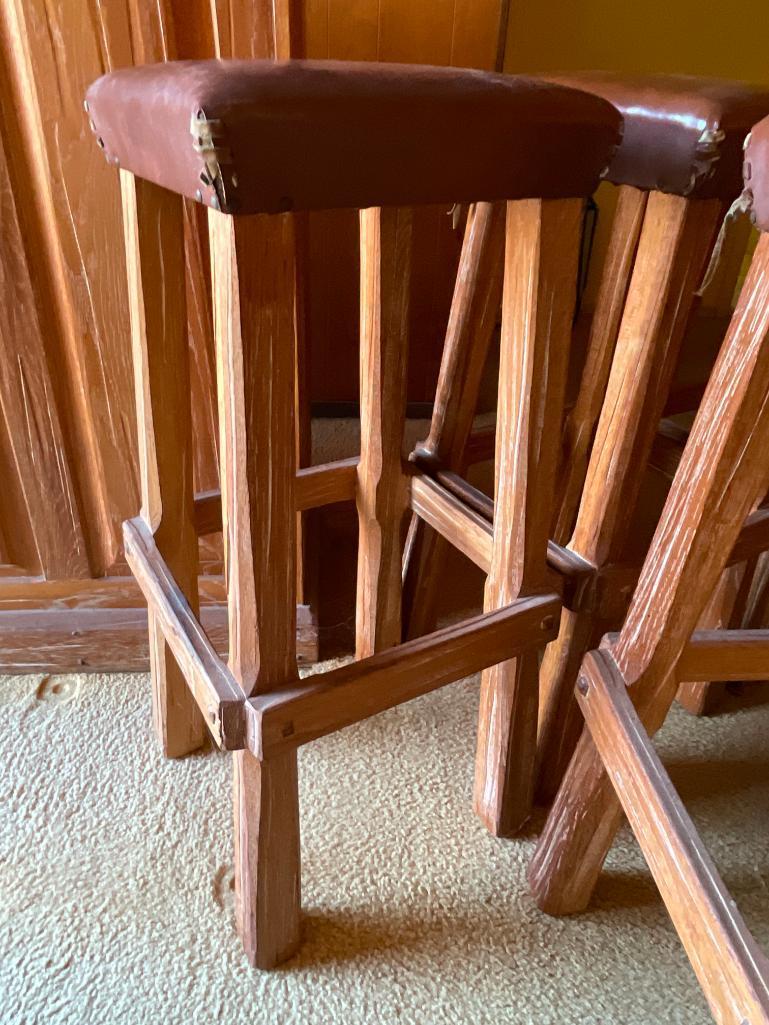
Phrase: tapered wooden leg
(722, 472)
(542, 240)
(581, 422)
(385, 270)
(675, 240)
(154, 234)
(472, 319)
(253, 288)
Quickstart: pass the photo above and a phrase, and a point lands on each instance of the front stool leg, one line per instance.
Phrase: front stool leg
(382, 497)
(723, 471)
(253, 288)
(542, 244)
(154, 237)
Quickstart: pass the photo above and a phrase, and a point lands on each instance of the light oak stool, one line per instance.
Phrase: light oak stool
(627, 686)
(678, 170)
(257, 141)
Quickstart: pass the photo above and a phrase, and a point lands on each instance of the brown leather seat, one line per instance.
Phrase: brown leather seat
(756, 174)
(264, 136)
(683, 134)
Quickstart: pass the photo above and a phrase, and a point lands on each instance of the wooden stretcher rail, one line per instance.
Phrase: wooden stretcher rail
(725, 655)
(215, 690)
(730, 966)
(315, 486)
(463, 515)
(329, 701)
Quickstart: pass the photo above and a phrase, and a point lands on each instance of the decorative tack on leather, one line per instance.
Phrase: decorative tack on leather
(208, 139)
(706, 154)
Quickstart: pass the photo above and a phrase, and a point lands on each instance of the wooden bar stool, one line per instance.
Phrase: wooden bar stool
(257, 141)
(627, 686)
(678, 169)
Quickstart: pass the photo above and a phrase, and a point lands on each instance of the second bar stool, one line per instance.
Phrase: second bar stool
(256, 141)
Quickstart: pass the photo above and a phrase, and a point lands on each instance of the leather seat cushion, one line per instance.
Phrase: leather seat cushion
(683, 134)
(265, 136)
(756, 174)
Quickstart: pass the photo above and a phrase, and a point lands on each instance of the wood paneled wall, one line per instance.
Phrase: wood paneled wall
(67, 425)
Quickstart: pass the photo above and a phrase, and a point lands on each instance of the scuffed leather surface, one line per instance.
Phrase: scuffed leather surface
(683, 134)
(756, 174)
(303, 135)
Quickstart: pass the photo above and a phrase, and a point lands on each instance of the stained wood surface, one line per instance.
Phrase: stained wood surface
(723, 473)
(472, 320)
(542, 240)
(675, 240)
(329, 701)
(385, 270)
(252, 265)
(730, 966)
(154, 240)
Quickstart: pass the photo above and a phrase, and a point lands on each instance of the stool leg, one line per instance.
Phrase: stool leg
(581, 422)
(723, 471)
(542, 243)
(154, 234)
(385, 270)
(676, 237)
(253, 288)
(472, 319)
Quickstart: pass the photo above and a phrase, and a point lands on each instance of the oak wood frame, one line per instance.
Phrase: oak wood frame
(625, 690)
(255, 705)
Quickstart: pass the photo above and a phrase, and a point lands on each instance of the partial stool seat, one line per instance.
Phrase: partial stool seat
(682, 134)
(271, 136)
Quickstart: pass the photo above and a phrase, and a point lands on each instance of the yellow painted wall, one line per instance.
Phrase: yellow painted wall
(697, 37)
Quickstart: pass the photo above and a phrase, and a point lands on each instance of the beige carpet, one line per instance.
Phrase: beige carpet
(115, 873)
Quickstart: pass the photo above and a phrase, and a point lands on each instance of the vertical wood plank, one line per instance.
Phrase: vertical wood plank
(154, 238)
(676, 237)
(385, 270)
(472, 319)
(542, 241)
(253, 287)
(723, 471)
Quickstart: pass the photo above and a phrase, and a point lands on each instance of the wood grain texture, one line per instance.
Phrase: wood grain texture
(580, 425)
(730, 966)
(542, 240)
(214, 690)
(472, 320)
(723, 473)
(385, 281)
(329, 701)
(154, 240)
(253, 288)
(675, 239)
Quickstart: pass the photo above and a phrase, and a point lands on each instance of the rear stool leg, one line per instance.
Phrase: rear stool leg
(385, 262)
(542, 240)
(253, 288)
(472, 319)
(722, 472)
(154, 236)
(675, 239)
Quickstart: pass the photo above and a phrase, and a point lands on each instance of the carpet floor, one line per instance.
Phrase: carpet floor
(116, 902)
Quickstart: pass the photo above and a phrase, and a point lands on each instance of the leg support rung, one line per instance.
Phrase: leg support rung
(216, 692)
(321, 704)
(731, 968)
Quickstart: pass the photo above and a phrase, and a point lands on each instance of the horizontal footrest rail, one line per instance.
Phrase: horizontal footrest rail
(326, 702)
(315, 486)
(732, 969)
(215, 690)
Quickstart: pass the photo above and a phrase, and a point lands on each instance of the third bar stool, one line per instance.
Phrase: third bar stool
(256, 141)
